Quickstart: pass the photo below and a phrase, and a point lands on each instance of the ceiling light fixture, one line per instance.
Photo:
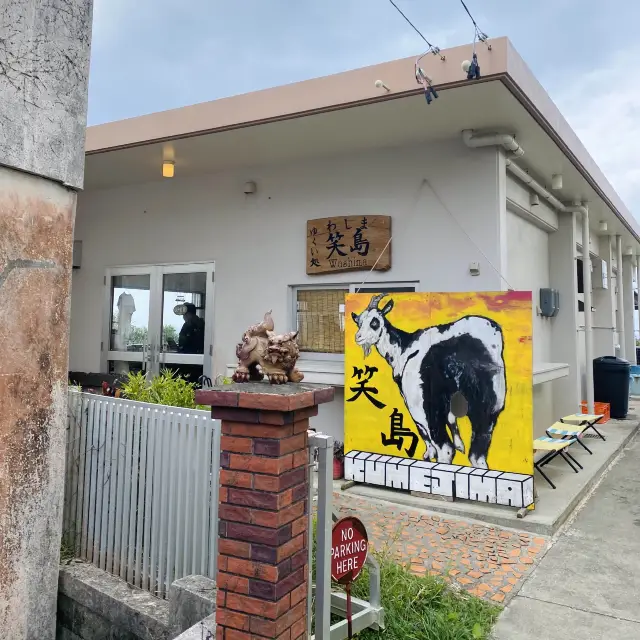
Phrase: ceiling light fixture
(556, 181)
(168, 169)
(603, 226)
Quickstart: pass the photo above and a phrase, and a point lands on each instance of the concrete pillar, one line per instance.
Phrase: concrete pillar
(43, 98)
(564, 332)
(628, 271)
(638, 316)
(263, 518)
(620, 298)
(588, 319)
(604, 303)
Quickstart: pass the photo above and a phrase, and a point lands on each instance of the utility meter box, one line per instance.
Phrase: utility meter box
(549, 302)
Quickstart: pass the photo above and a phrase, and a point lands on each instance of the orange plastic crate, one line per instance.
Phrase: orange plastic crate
(600, 408)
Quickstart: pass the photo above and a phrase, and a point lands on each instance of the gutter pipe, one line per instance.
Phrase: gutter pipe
(508, 142)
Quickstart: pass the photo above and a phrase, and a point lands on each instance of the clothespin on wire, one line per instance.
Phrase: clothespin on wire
(472, 67)
(423, 79)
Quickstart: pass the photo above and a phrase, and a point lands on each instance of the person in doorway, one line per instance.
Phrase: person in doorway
(191, 338)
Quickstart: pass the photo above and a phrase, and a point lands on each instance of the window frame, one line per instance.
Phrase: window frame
(349, 287)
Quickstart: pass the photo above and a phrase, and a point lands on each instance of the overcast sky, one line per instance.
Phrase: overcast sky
(151, 55)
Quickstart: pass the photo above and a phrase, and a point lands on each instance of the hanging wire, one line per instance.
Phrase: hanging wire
(411, 211)
(479, 33)
(432, 48)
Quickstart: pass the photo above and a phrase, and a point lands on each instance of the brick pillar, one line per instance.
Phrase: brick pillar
(263, 513)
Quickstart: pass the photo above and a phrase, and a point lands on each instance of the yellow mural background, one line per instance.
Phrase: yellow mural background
(512, 444)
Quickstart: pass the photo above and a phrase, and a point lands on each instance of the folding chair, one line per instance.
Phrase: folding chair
(553, 447)
(587, 420)
(560, 430)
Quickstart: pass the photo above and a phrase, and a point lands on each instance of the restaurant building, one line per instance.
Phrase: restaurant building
(218, 205)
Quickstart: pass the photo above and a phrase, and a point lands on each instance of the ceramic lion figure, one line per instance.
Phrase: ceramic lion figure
(262, 352)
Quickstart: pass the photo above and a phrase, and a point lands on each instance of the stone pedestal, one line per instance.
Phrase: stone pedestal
(263, 513)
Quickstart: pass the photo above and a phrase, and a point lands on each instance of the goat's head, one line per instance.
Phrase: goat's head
(371, 323)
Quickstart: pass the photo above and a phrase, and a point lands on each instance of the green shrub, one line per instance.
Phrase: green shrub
(167, 388)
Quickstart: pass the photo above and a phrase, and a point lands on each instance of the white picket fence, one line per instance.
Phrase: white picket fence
(141, 495)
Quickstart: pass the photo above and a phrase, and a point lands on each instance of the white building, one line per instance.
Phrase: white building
(344, 145)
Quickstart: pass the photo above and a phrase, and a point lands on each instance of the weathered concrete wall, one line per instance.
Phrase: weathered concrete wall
(191, 599)
(94, 605)
(36, 232)
(44, 68)
(44, 65)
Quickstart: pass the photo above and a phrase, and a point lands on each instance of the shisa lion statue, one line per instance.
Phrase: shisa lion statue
(262, 352)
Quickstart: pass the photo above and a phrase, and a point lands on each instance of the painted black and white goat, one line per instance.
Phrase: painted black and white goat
(432, 365)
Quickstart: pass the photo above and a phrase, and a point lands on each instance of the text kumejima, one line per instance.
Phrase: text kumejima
(450, 480)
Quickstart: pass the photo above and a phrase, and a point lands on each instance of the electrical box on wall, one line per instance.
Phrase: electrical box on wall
(549, 302)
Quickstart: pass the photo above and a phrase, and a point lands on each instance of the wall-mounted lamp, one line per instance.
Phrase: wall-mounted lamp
(602, 226)
(556, 181)
(628, 251)
(168, 169)
(534, 200)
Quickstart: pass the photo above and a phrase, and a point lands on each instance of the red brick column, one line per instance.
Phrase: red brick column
(263, 511)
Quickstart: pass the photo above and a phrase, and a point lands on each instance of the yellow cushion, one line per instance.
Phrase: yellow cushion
(577, 418)
(551, 444)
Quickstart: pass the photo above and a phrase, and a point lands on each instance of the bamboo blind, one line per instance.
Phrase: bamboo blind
(321, 320)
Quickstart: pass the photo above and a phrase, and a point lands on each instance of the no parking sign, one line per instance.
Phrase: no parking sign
(349, 549)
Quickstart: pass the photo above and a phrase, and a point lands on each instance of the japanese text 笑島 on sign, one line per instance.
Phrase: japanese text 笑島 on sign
(348, 243)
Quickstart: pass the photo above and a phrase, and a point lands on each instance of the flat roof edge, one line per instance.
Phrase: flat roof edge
(526, 88)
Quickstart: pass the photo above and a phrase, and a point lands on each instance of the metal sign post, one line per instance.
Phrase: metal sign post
(349, 549)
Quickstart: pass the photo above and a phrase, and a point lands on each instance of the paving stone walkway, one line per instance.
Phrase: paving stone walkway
(486, 561)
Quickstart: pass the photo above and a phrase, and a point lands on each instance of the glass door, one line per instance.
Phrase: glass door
(186, 344)
(159, 317)
(126, 346)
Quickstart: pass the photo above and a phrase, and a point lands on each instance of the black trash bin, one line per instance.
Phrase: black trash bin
(611, 377)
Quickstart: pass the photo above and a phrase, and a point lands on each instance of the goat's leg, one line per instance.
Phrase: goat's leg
(482, 426)
(437, 415)
(430, 453)
(455, 432)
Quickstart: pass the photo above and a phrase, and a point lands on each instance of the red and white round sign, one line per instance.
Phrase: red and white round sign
(349, 548)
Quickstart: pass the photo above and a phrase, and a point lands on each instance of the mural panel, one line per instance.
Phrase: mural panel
(444, 379)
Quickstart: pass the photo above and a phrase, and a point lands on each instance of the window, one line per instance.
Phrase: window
(319, 315)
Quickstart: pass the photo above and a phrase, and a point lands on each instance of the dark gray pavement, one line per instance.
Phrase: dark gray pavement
(587, 586)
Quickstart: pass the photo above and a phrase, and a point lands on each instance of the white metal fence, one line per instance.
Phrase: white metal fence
(141, 495)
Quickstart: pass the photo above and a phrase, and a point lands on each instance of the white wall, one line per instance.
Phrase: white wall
(528, 269)
(258, 242)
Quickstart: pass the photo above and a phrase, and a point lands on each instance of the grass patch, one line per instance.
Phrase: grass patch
(422, 607)
(67, 552)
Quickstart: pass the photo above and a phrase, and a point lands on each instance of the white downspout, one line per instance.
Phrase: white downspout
(588, 320)
(620, 316)
(505, 140)
(510, 144)
(523, 176)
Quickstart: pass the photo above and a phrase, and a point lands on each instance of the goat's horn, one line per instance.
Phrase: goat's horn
(373, 303)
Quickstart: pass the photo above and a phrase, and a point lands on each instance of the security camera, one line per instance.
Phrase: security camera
(249, 188)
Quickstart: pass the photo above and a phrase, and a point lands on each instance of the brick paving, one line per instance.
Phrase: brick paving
(483, 560)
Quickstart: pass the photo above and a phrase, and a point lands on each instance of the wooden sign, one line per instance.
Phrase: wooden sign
(351, 243)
